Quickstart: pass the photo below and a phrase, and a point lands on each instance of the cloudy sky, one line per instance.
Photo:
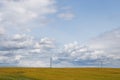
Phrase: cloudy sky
(75, 33)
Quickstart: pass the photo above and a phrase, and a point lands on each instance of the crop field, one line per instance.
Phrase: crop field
(59, 74)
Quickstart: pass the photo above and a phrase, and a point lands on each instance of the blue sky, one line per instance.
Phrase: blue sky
(80, 30)
(92, 18)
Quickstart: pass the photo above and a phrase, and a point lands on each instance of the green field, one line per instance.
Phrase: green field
(59, 74)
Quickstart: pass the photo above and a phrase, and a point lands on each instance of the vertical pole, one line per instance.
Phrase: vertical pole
(50, 62)
(100, 60)
(101, 63)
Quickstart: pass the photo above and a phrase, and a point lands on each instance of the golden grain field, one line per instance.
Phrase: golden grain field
(59, 74)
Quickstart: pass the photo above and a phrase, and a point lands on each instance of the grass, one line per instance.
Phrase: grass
(59, 74)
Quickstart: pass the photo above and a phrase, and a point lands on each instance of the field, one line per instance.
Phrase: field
(59, 74)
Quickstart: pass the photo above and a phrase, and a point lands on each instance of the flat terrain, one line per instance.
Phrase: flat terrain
(59, 74)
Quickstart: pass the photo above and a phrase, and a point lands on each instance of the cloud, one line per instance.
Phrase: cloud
(13, 48)
(107, 42)
(17, 41)
(45, 43)
(25, 50)
(9, 58)
(104, 48)
(19, 13)
(76, 51)
(44, 47)
(30, 63)
(66, 16)
(76, 55)
(20, 49)
(2, 31)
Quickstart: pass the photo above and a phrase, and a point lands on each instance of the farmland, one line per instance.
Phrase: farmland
(59, 74)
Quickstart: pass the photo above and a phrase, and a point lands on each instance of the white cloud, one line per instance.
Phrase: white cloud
(45, 45)
(76, 51)
(66, 16)
(105, 47)
(20, 13)
(2, 31)
(30, 63)
(18, 41)
(18, 57)
(107, 42)
(9, 59)
(18, 48)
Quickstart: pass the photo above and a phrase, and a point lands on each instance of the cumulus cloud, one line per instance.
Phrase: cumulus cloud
(15, 42)
(102, 49)
(9, 59)
(20, 49)
(108, 42)
(45, 45)
(19, 13)
(76, 51)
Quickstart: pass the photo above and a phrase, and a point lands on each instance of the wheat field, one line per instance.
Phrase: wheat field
(59, 74)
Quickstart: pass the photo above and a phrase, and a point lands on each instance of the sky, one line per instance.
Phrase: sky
(75, 33)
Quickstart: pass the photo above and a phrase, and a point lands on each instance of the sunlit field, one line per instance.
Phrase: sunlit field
(59, 74)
